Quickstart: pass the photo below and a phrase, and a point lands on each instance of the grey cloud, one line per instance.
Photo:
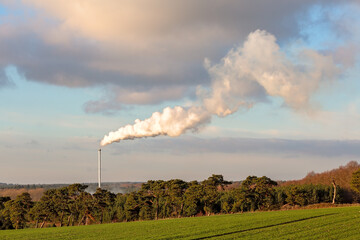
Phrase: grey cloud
(3, 82)
(106, 107)
(116, 98)
(290, 148)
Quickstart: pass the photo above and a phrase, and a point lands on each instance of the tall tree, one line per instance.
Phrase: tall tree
(155, 190)
(175, 193)
(259, 192)
(5, 222)
(104, 201)
(355, 181)
(120, 206)
(74, 191)
(61, 201)
(131, 207)
(193, 199)
(86, 207)
(18, 210)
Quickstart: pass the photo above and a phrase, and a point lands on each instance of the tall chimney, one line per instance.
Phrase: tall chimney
(99, 168)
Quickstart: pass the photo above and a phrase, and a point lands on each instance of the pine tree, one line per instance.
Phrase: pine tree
(355, 181)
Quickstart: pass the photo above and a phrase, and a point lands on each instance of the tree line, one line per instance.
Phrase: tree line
(72, 205)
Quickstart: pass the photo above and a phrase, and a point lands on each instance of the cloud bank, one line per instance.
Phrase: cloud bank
(259, 146)
(134, 45)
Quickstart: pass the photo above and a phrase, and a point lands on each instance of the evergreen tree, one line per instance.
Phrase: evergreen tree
(355, 181)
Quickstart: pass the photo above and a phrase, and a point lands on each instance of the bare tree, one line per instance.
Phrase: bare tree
(334, 184)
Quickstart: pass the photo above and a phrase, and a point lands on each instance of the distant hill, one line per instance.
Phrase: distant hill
(342, 177)
(35, 193)
(31, 186)
(36, 190)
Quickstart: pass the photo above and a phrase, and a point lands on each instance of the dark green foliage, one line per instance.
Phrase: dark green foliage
(3, 200)
(176, 189)
(119, 206)
(355, 181)
(258, 192)
(71, 205)
(15, 213)
(307, 194)
(5, 222)
(103, 204)
(193, 202)
(132, 207)
(227, 201)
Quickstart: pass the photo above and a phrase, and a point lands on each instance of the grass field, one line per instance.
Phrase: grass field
(326, 223)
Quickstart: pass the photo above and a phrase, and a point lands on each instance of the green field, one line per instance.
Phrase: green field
(326, 223)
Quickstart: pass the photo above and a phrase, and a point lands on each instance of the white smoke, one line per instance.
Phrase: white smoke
(246, 75)
(171, 122)
(259, 69)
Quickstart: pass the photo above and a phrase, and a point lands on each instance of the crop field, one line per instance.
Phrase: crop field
(326, 223)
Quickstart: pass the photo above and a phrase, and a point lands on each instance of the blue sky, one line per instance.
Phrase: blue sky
(66, 82)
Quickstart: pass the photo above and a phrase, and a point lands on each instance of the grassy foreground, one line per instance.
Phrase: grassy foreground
(327, 223)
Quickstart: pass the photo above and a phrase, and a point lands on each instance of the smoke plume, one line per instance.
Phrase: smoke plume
(171, 122)
(246, 75)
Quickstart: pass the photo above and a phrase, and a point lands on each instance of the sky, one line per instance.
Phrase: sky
(272, 88)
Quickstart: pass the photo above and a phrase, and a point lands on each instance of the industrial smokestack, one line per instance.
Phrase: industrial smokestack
(99, 168)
